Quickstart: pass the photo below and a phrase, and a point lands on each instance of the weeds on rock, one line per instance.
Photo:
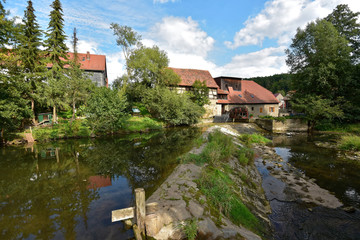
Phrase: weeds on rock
(190, 227)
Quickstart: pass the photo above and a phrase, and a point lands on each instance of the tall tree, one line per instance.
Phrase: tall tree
(320, 59)
(127, 38)
(346, 23)
(79, 86)
(56, 56)
(31, 64)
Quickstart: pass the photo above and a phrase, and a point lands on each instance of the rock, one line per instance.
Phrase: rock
(349, 209)
(207, 226)
(310, 209)
(195, 209)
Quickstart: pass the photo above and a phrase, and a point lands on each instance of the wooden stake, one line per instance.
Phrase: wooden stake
(137, 232)
(140, 209)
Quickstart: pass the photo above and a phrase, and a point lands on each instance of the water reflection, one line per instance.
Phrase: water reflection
(67, 189)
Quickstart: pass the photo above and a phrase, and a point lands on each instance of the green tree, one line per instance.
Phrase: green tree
(56, 56)
(31, 65)
(199, 93)
(171, 107)
(127, 38)
(78, 85)
(346, 23)
(319, 58)
(106, 110)
(148, 66)
(317, 108)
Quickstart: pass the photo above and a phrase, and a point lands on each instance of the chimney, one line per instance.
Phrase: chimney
(88, 55)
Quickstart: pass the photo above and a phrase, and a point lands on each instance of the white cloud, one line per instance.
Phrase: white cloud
(265, 62)
(115, 64)
(182, 35)
(84, 46)
(280, 19)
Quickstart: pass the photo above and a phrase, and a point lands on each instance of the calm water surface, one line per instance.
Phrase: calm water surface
(67, 189)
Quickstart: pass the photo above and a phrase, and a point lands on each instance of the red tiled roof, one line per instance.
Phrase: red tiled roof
(189, 76)
(96, 62)
(220, 91)
(251, 93)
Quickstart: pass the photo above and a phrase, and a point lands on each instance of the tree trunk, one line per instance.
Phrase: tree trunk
(33, 111)
(54, 115)
(73, 108)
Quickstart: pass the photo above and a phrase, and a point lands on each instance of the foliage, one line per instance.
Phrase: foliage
(148, 66)
(56, 55)
(245, 156)
(199, 93)
(171, 107)
(190, 227)
(105, 110)
(278, 83)
(320, 59)
(351, 142)
(141, 123)
(317, 108)
(249, 139)
(220, 147)
(218, 189)
(338, 127)
(345, 22)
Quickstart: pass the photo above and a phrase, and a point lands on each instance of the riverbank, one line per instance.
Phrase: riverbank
(219, 198)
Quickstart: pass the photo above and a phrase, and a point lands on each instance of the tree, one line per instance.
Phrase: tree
(32, 67)
(105, 110)
(199, 93)
(127, 38)
(78, 85)
(171, 107)
(346, 23)
(148, 66)
(317, 108)
(320, 59)
(56, 56)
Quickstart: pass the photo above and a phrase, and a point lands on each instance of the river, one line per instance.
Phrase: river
(67, 189)
(331, 171)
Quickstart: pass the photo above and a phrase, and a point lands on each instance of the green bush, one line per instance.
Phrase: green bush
(245, 156)
(171, 107)
(249, 139)
(350, 143)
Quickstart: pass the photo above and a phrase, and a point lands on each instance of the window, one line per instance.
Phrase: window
(252, 108)
(260, 110)
(271, 109)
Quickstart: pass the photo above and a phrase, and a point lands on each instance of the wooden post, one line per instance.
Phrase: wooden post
(140, 211)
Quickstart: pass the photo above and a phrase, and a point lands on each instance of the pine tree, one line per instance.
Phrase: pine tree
(31, 65)
(56, 56)
(79, 86)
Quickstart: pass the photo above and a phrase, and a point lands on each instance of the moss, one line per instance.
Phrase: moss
(186, 199)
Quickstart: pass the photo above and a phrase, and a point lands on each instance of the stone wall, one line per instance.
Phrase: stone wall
(289, 125)
(258, 109)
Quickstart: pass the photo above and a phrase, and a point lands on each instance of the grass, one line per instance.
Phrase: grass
(245, 156)
(353, 128)
(222, 197)
(350, 142)
(65, 129)
(249, 139)
(190, 227)
(135, 124)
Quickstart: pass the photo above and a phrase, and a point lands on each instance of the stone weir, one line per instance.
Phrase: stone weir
(179, 199)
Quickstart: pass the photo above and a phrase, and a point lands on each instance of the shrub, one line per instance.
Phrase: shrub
(249, 139)
(171, 107)
(350, 143)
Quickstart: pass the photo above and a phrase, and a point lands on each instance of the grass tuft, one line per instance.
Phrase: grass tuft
(351, 142)
(249, 139)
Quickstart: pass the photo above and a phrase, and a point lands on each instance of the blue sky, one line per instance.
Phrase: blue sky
(240, 38)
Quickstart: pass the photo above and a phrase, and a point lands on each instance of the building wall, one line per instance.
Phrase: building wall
(257, 109)
(98, 78)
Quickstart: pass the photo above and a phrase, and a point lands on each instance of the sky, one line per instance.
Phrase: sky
(238, 38)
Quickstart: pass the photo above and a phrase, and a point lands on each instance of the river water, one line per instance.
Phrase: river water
(67, 189)
(331, 171)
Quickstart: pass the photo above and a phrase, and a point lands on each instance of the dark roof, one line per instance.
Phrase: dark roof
(189, 76)
(251, 93)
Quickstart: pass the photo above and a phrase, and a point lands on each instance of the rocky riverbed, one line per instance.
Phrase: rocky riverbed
(180, 199)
